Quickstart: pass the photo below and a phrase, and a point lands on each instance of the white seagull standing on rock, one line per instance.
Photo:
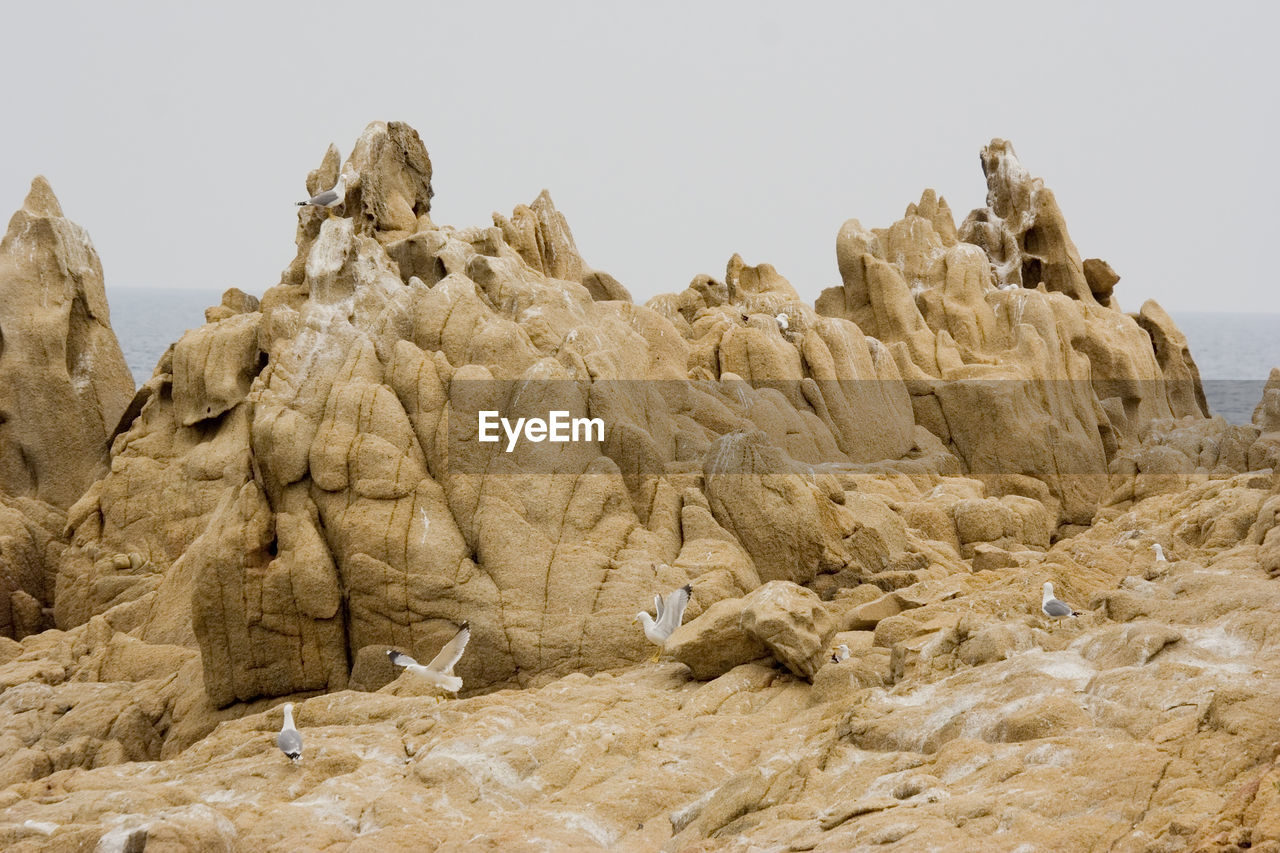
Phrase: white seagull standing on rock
(783, 323)
(440, 671)
(1053, 607)
(290, 739)
(840, 653)
(1160, 558)
(330, 198)
(669, 611)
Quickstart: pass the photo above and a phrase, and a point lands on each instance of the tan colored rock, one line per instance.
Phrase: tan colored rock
(1266, 415)
(393, 179)
(60, 362)
(899, 748)
(982, 363)
(301, 486)
(1178, 368)
(541, 235)
(792, 624)
(779, 619)
(30, 547)
(988, 558)
(234, 301)
(279, 564)
(213, 367)
(1030, 211)
(865, 617)
(165, 482)
(1049, 718)
(1102, 279)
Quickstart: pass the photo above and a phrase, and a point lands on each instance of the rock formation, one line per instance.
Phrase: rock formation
(60, 363)
(303, 484)
(64, 385)
(995, 328)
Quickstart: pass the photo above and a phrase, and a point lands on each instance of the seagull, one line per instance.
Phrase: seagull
(290, 740)
(440, 671)
(840, 653)
(330, 198)
(783, 324)
(1053, 607)
(1160, 558)
(669, 614)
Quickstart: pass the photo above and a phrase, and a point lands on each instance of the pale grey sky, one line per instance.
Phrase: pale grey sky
(670, 134)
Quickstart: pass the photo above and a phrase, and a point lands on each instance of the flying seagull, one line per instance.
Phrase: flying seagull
(840, 653)
(1053, 607)
(330, 198)
(290, 740)
(669, 612)
(440, 671)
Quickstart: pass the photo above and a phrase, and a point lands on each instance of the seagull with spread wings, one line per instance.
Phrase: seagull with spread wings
(440, 671)
(669, 612)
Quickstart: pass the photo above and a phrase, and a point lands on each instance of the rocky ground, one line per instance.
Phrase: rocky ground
(898, 469)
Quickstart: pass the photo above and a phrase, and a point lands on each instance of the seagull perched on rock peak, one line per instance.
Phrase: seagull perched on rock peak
(290, 739)
(330, 198)
(1054, 608)
(440, 671)
(669, 613)
(1159, 551)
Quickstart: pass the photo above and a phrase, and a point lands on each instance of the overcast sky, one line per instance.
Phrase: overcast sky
(670, 134)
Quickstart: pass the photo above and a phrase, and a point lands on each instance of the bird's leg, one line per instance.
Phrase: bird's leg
(656, 655)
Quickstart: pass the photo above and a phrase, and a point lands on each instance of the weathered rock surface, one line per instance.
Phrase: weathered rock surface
(30, 545)
(322, 428)
(1151, 728)
(63, 380)
(64, 385)
(302, 484)
(779, 619)
(998, 334)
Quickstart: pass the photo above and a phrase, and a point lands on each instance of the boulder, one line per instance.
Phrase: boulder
(1101, 277)
(780, 619)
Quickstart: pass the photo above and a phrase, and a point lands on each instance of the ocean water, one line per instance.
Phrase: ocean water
(1235, 352)
(147, 319)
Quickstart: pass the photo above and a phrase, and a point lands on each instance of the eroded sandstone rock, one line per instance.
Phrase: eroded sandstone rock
(300, 486)
(996, 707)
(996, 329)
(780, 619)
(60, 362)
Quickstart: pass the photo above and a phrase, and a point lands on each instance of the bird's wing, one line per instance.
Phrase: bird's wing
(1054, 607)
(673, 611)
(326, 197)
(448, 656)
(657, 608)
(290, 742)
(401, 659)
